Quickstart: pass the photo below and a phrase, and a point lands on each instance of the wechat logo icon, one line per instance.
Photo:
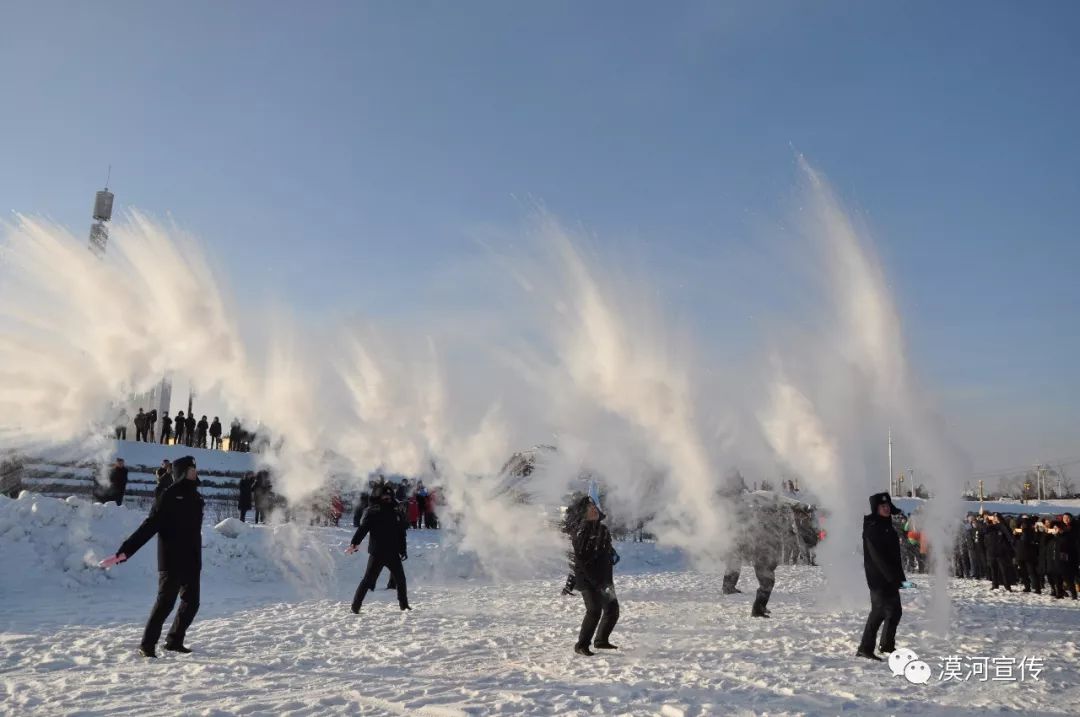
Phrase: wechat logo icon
(905, 662)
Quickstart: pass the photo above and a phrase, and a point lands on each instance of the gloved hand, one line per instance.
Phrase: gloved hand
(114, 560)
(351, 549)
(404, 556)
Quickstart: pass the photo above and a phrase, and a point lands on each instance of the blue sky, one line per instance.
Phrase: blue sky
(344, 154)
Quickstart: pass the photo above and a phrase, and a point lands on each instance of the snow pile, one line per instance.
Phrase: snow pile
(48, 543)
(58, 543)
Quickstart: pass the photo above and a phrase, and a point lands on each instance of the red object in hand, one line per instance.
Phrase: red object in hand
(114, 560)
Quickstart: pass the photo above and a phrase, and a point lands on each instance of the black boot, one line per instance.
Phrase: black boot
(583, 650)
(732, 591)
(868, 655)
(146, 651)
(605, 646)
(177, 648)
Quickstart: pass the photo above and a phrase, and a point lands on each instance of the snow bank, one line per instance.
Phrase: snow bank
(151, 454)
(52, 543)
(49, 544)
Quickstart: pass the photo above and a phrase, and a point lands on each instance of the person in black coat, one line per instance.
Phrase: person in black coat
(1046, 563)
(180, 426)
(118, 480)
(1027, 555)
(201, 429)
(1072, 530)
(246, 496)
(215, 434)
(385, 528)
(1063, 560)
(164, 477)
(234, 435)
(189, 430)
(593, 562)
(975, 544)
(166, 429)
(999, 552)
(176, 519)
(884, 576)
(142, 423)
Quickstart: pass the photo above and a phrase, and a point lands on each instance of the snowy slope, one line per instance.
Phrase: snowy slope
(274, 635)
(67, 470)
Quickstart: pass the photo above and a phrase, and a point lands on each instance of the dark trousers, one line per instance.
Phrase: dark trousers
(140, 435)
(375, 564)
(884, 608)
(1031, 575)
(166, 434)
(121, 433)
(599, 610)
(243, 514)
(974, 560)
(215, 442)
(962, 565)
(1063, 583)
(169, 586)
(978, 563)
(766, 577)
(1000, 573)
(731, 578)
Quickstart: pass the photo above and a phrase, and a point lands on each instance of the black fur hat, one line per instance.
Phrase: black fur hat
(881, 499)
(180, 466)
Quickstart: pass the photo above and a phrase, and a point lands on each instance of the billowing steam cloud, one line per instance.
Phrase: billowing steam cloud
(600, 369)
(833, 400)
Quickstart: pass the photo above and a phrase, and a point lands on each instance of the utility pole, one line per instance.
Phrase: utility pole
(890, 462)
(911, 481)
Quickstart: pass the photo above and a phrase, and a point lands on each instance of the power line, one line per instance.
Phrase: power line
(1007, 471)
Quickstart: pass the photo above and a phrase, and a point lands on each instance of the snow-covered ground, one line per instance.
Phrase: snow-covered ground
(275, 636)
